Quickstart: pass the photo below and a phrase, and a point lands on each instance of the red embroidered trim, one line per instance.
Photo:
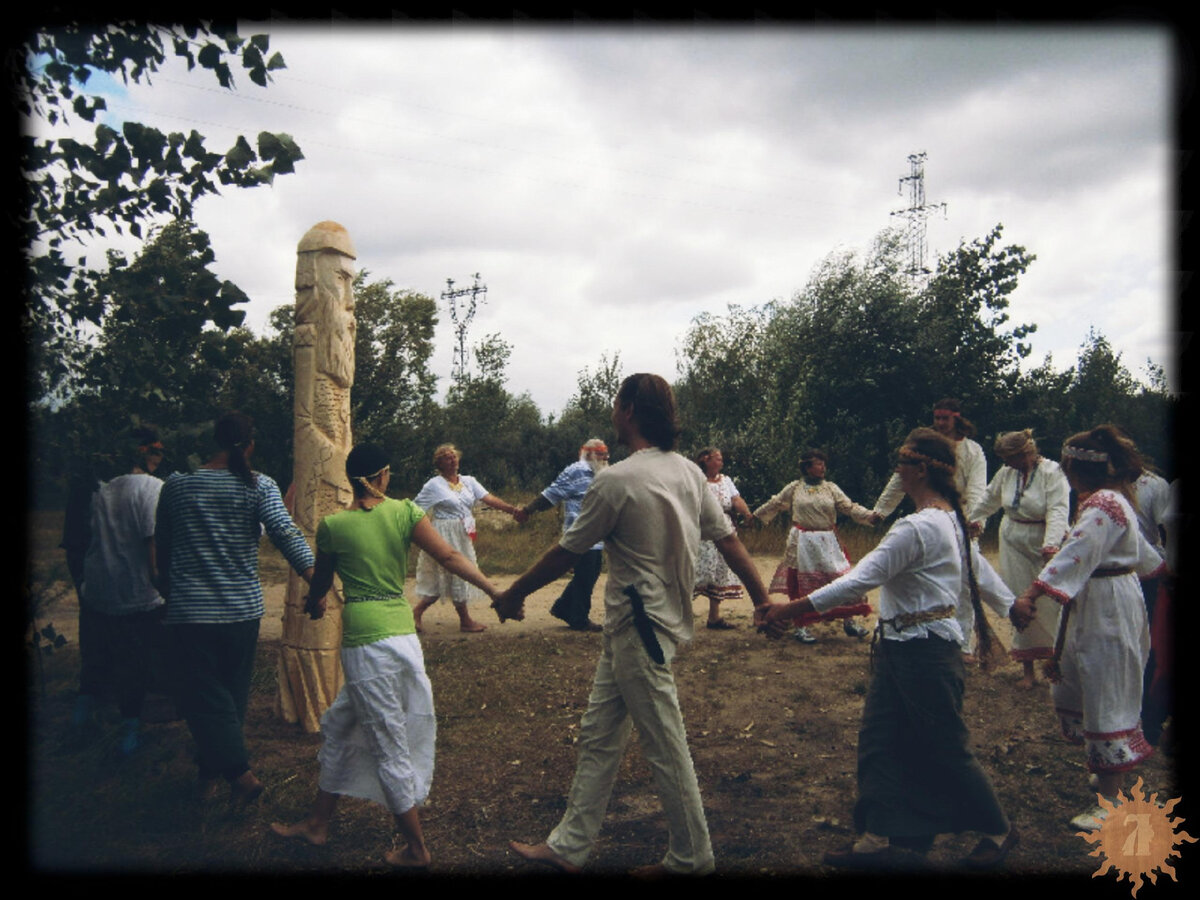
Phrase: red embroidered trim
(1052, 593)
(1111, 735)
(1105, 502)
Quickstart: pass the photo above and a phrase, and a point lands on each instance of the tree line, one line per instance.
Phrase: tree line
(850, 364)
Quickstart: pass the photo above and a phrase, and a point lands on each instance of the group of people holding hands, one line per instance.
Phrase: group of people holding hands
(666, 525)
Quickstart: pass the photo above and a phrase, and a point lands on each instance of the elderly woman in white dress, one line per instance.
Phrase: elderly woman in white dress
(1035, 497)
(1097, 677)
(714, 579)
(917, 776)
(449, 499)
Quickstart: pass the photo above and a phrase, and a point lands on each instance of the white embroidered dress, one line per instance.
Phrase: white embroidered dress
(1095, 578)
(1036, 512)
(451, 509)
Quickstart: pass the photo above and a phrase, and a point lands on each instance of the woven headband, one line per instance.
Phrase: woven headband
(947, 412)
(1084, 454)
(914, 456)
(365, 481)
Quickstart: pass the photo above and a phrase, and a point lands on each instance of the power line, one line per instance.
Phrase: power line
(461, 317)
(916, 214)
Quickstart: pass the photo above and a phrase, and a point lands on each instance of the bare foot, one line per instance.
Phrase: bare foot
(407, 858)
(472, 627)
(540, 853)
(305, 829)
(1027, 683)
(246, 788)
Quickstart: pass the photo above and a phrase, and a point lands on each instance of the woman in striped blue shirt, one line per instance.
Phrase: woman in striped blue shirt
(206, 551)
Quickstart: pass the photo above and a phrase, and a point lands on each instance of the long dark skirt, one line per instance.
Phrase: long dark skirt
(917, 776)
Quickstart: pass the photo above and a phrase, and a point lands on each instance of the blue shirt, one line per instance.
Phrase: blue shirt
(568, 489)
(206, 537)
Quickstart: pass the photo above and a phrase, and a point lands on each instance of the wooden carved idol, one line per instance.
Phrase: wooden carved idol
(310, 674)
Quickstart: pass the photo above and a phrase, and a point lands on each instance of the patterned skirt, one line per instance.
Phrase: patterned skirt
(813, 559)
(713, 577)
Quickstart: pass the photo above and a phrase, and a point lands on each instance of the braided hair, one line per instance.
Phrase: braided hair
(940, 459)
(364, 463)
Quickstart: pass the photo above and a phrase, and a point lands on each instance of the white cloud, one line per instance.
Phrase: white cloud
(609, 184)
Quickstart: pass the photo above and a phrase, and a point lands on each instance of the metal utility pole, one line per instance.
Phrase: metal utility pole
(461, 316)
(916, 214)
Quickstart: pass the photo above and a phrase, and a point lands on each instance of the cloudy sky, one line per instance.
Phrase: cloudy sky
(611, 183)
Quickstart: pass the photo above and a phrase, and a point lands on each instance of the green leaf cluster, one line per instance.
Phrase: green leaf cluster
(122, 179)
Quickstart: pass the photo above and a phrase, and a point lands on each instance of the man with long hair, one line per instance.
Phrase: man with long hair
(651, 510)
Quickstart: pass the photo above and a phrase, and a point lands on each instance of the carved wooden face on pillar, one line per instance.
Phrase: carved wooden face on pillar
(325, 298)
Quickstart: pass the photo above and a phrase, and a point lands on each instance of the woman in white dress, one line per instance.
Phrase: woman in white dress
(714, 579)
(917, 776)
(1097, 679)
(449, 499)
(814, 556)
(1035, 497)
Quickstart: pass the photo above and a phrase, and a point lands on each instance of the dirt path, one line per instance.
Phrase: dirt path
(441, 620)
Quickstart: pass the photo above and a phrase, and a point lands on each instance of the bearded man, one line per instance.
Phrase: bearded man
(574, 606)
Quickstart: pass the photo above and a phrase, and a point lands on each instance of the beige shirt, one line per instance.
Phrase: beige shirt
(814, 507)
(651, 510)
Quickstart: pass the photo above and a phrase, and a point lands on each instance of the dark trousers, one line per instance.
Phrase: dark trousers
(574, 606)
(213, 664)
(121, 655)
(1154, 705)
(917, 776)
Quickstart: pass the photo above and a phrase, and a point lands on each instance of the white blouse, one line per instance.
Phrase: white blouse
(918, 567)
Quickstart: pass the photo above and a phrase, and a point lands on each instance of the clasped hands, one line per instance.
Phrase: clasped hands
(1023, 610)
(509, 605)
(774, 619)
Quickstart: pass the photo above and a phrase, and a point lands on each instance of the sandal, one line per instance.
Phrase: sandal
(720, 625)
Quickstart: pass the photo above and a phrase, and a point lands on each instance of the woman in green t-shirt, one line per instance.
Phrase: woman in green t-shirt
(378, 736)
